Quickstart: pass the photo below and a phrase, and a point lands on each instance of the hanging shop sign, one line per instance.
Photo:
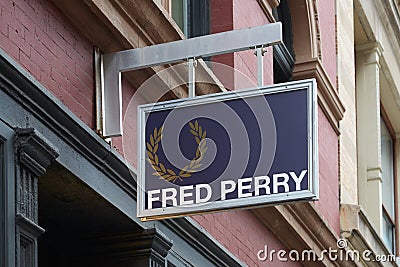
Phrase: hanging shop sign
(237, 149)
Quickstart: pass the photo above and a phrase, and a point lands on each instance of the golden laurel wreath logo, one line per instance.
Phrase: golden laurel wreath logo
(168, 174)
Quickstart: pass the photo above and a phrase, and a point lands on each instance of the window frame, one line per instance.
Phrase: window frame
(195, 18)
(395, 220)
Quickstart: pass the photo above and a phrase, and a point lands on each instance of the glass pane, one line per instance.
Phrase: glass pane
(387, 170)
(388, 233)
(178, 13)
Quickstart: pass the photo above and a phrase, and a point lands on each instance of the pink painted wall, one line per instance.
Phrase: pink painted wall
(249, 14)
(38, 37)
(227, 15)
(327, 22)
(328, 140)
(328, 204)
(126, 145)
(244, 235)
(221, 21)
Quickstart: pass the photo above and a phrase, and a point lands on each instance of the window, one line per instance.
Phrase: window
(192, 16)
(178, 12)
(388, 186)
(284, 56)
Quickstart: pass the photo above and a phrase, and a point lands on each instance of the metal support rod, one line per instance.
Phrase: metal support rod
(260, 66)
(192, 77)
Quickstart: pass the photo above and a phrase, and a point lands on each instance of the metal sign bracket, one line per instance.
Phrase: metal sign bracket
(114, 64)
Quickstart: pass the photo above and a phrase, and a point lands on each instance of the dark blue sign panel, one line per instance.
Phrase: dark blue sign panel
(237, 149)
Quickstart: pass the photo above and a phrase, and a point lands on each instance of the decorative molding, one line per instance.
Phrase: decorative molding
(328, 97)
(307, 29)
(371, 53)
(34, 150)
(33, 154)
(370, 47)
(317, 28)
(26, 236)
(29, 226)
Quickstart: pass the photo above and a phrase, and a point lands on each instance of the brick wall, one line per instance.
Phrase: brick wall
(328, 204)
(221, 16)
(250, 14)
(37, 35)
(328, 143)
(227, 15)
(244, 235)
(127, 144)
(326, 17)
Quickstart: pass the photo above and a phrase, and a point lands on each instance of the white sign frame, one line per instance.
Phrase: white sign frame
(239, 203)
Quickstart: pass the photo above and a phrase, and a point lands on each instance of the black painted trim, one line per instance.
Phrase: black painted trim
(283, 64)
(284, 55)
(198, 17)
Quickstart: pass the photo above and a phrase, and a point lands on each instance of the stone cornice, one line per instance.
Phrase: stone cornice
(34, 150)
(28, 225)
(328, 97)
(370, 47)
